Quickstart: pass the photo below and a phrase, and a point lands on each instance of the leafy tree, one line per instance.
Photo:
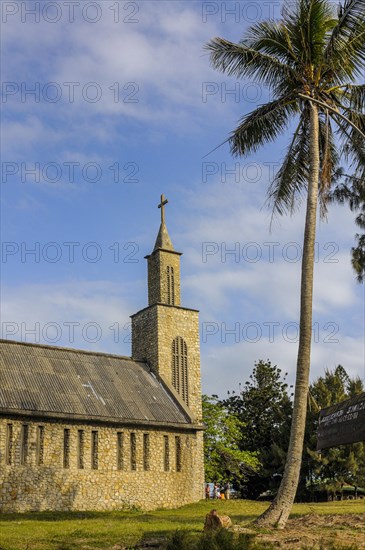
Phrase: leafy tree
(352, 191)
(265, 408)
(345, 464)
(224, 461)
(310, 60)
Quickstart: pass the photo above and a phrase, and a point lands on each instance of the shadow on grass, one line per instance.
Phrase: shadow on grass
(68, 516)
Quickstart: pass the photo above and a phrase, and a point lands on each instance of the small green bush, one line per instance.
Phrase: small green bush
(180, 540)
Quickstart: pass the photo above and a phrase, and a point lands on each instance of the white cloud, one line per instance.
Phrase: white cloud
(45, 313)
(229, 221)
(240, 292)
(159, 64)
(225, 366)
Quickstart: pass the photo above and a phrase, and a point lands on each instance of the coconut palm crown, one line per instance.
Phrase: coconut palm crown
(309, 52)
(313, 61)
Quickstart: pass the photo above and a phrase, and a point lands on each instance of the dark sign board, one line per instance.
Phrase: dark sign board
(342, 424)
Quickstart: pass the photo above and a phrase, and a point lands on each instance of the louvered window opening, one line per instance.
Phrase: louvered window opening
(146, 452)
(120, 450)
(40, 445)
(133, 451)
(24, 444)
(66, 448)
(9, 444)
(180, 367)
(80, 449)
(94, 450)
(170, 286)
(166, 458)
(178, 453)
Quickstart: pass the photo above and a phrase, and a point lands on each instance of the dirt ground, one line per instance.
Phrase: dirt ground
(309, 532)
(318, 531)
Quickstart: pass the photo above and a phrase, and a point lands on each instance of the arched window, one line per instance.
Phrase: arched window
(170, 286)
(180, 367)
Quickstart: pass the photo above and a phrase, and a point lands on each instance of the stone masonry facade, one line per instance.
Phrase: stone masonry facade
(129, 467)
(164, 277)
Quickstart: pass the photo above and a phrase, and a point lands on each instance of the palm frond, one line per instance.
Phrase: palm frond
(354, 96)
(271, 38)
(349, 15)
(345, 51)
(291, 180)
(353, 145)
(262, 125)
(292, 177)
(319, 22)
(242, 61)
(350, 190)
(329, 159)
(309, 24)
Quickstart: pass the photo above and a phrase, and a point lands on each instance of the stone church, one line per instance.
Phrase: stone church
(81, 430)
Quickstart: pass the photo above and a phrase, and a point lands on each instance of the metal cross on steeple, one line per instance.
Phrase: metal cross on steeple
(162, 206)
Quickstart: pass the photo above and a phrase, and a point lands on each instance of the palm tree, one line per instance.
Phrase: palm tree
(311, 60)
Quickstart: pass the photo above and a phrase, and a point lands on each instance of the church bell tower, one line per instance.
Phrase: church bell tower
(165, 334)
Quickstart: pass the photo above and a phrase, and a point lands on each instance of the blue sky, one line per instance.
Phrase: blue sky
(125, 107)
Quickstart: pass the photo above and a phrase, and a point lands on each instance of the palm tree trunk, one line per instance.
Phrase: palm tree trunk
(278, 512)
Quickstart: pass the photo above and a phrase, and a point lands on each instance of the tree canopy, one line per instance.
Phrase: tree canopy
(224, 460)
(248, 432)
(264, 406)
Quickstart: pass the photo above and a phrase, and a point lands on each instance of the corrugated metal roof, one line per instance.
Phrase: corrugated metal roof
(61, 381)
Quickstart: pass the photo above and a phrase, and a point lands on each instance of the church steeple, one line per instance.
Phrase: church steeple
(163, 238)
(165, 334)
(163, 267)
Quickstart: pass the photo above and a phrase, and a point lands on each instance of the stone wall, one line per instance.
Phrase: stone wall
(144, 336)
(37, 478)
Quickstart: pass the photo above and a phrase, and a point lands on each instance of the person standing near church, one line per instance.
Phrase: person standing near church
(207, 491)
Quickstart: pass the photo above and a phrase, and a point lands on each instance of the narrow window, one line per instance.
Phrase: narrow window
(94, 450)
(133, 451)
(66, 448)
(24, 444)
(172, 282)
(178, 453)
(120, 451)
(170, 286)
(146, 451)
(9, 444)
(80, 449)
(40, 445)
(180, 367)
(166, 456)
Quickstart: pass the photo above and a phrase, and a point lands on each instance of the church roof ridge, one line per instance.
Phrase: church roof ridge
(74, 350)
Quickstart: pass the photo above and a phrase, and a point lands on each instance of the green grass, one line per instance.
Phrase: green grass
(102, 530)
